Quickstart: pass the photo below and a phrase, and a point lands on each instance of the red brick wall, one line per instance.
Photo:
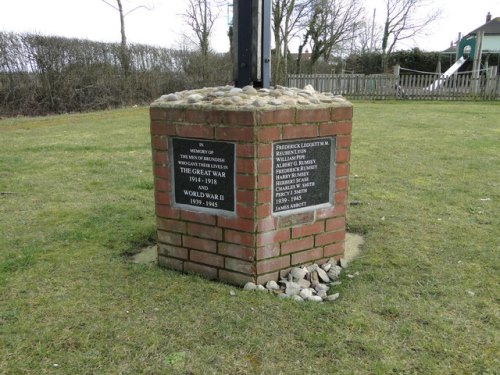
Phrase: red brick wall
(254, 245)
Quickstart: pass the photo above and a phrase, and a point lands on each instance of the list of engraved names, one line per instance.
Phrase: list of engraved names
(302, 173)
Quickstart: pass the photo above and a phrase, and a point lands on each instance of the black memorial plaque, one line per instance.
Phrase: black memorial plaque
(302, 174)
(203, 174)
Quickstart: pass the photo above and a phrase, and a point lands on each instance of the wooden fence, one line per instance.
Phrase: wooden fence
(405, 86)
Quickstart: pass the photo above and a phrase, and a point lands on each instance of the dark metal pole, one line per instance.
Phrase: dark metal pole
(242, 28)
(266, 43)
(252, 47)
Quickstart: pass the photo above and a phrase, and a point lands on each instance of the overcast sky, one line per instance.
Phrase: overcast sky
(163, 25)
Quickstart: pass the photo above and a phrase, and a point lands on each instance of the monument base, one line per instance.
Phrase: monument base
(250, 183)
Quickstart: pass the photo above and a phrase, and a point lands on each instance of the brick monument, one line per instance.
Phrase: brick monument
(249, 183)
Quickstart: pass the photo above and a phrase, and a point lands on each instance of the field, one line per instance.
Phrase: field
(76, 196)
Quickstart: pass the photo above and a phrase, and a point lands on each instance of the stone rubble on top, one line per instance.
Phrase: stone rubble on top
(310, 283)
(249, 97)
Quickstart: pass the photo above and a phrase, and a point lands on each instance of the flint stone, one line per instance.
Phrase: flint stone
(339, 100)
(306, 293)
(332, 297)
(326, 267)
(304, 283)
(297, 298)
(272, 285)
(322, 275)
(261, 288)
(249, 90)
(344, 263)
(321, 287)
(283, 295)
(315, 299)
(298, 273)
(259, 103)
(334, 272)
(322, 294)
(249, 286)
(194, 98)
(172, 97)
(312, 268)
(292, 288)
(310, 89)
(314, 278)
(235, 91)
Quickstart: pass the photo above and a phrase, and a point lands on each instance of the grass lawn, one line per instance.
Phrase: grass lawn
(76, 193)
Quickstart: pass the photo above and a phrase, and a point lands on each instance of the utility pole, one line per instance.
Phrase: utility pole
(372, 43)
(252, 43)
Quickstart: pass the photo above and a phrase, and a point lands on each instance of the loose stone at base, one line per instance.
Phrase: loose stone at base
(306, 293)
(292, 288)
(323, 275)
(298, 273)
(332, 297)
(315, 298)
(250, 286)
(305, 283)
(272, 285)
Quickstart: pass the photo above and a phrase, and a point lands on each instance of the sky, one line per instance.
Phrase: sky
(164, 25)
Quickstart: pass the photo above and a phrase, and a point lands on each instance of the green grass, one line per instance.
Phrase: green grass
(77, 194)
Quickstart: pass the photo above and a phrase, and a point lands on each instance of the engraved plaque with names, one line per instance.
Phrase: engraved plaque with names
(204, 174)
(303, 174)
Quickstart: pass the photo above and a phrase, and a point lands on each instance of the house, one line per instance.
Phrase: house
(305, 56)
(491, 34)
(484, 39)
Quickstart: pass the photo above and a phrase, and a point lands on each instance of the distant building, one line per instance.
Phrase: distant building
(491, 30)
(305, 56)
(491, 38)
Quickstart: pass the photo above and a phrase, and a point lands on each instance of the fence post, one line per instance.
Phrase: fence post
(477, 62)
(397, 68)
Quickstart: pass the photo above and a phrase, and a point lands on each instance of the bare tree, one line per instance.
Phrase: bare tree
(200, 16)
(124, 55)
(402, 22)
(331, 24)
(287, 16)
(368, 36)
